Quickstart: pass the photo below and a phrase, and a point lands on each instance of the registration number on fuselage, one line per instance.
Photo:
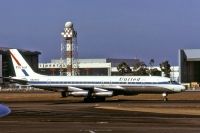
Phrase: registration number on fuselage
(34, 80)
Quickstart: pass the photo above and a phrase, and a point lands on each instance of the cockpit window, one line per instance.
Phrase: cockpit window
(174, 82)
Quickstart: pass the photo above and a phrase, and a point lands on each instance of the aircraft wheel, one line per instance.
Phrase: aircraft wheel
(88, 100)
(100, 99)
(63, 94)
(165, 97)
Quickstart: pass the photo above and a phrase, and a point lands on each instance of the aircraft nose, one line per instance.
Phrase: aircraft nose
(183, 88)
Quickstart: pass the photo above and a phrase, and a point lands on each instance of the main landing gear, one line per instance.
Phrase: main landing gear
(63, 94)
(94, 99)
(164, 95)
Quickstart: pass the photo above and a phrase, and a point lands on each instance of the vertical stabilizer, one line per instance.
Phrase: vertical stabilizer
(21, 67)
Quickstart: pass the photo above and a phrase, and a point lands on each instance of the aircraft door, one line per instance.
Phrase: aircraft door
(49, 82)
(143, 84)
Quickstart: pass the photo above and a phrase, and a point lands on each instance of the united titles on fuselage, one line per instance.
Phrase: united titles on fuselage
(127, 79)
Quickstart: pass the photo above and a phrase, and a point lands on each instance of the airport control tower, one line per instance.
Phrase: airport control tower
(69, 41)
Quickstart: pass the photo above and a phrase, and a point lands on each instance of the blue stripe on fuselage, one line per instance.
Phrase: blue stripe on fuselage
(120, 83)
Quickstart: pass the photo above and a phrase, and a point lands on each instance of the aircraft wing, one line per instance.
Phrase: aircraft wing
(95, 91)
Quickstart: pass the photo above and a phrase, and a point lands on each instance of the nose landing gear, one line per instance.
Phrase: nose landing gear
(164, 95)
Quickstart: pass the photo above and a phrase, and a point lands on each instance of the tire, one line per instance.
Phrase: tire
(63, 94)
(100, 99)
(88, 100)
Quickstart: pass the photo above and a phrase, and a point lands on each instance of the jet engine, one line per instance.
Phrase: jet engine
(104, 94)
(79, 93)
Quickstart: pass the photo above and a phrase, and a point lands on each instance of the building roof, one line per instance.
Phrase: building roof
(115, 62)
(192, 54)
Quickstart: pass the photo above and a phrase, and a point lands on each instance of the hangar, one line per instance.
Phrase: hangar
(6, 67)
(189, 64)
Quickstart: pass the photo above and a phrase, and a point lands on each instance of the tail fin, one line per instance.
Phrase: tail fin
(21, 67)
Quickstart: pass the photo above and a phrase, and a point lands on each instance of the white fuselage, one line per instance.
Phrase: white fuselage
(137, 84)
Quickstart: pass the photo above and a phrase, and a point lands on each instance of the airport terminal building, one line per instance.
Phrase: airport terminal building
(95, 67)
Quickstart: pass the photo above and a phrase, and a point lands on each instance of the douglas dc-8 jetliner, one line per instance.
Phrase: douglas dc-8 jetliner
(92, 88)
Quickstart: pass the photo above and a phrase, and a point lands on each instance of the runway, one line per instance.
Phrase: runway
(116, 115)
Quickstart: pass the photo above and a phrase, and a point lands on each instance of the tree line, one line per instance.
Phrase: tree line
(141, 69)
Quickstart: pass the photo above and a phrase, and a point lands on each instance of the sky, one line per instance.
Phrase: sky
(144, 29)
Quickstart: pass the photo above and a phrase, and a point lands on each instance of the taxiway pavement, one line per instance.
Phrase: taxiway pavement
(40, 115)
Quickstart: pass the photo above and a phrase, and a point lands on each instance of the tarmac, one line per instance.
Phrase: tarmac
(43, 112)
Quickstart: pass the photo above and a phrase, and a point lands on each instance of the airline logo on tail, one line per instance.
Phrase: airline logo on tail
(17, 65)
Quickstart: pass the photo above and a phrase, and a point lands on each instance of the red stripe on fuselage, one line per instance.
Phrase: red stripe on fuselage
(15, 59)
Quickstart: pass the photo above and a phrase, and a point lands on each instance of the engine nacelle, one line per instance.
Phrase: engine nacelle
(104, 94)
(79, 93)
(71, 88)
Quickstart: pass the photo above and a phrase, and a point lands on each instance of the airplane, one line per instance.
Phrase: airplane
(92, 88)
(4, 110)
